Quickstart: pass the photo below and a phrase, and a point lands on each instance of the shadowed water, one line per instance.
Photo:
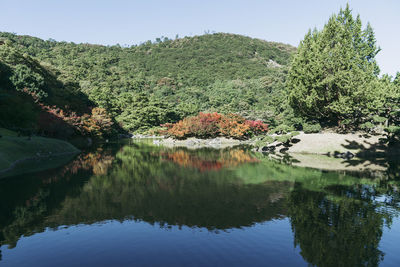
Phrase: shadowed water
(138, 204)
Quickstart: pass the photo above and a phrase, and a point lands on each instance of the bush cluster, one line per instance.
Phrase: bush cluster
(312, 128)
(56, 122)
(209, 125)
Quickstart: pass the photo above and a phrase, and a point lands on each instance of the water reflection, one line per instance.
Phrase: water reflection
(337, 230)
(210, 159)
(336, 219)
(144, 186)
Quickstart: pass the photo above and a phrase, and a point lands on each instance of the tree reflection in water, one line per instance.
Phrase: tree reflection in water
(210, 160)
(335, 218)
(337, 230)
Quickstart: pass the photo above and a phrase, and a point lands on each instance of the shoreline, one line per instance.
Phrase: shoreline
(5, 172)
(18, 151)
(325, 143)
(194, 143)
(319, 151)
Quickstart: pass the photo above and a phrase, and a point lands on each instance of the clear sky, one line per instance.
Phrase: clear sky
(132, 22)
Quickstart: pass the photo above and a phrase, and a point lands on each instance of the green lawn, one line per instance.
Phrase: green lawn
(13, 148)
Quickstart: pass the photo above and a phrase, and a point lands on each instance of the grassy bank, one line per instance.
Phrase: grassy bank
(15, 151)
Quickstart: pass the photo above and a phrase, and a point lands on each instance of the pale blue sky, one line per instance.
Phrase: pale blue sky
(132, 22)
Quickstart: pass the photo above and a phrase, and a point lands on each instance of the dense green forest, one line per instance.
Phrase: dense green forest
(152, 83)
(332, 79)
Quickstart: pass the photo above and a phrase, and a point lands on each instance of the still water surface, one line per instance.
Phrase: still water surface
(134, 204)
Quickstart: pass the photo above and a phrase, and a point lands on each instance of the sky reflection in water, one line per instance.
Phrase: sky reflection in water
(139, 204)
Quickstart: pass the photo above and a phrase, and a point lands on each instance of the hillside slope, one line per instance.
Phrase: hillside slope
(170, 79)
(34, 101)
(212, 57)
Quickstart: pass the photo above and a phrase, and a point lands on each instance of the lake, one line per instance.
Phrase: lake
(136, 204)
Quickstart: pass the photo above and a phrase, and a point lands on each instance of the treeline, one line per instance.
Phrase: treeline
(164, 81)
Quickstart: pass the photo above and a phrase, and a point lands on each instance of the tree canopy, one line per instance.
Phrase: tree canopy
(155, 82)
(334, 74)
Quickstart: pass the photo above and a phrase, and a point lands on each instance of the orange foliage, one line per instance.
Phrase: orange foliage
(98, 123)
(98, 162)
(54, 121)
(257, 127)
(207, 125)
(233, 126)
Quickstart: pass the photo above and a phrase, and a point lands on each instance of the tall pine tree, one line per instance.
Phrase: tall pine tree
(334, 75)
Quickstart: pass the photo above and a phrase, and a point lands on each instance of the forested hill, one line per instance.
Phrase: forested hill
(197, 60)
(156, 82)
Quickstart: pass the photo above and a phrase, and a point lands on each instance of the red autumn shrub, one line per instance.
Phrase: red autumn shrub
(207, 125)
(257, 127)
(233, 125)
(179, 129)
(204, 124)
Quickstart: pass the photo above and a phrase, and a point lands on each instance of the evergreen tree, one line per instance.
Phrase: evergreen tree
(333, 76)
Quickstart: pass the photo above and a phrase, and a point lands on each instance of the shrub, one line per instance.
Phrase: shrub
(379, 119)
(233, 126)
(257, 127)
(179, 129)
(99, 124)
(282, 129)
(56, 122)
(393, 133)
(311, 128)
(204, 125)
(367, 126)
(295, 133)
(207, 125)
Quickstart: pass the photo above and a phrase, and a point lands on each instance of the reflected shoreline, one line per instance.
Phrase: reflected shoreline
(208, 189)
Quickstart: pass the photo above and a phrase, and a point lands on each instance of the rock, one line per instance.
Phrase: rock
(273, 64)
(348, 155)
(215, 142)
(344, 155)
(156, 142)
(191, 142)
(283, 150)
(268, 148)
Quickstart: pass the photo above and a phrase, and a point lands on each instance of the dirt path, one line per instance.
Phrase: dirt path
(323, 143)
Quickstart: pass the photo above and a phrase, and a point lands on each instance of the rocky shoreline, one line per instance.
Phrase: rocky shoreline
(326, 143)
(327, 151)
(219, 142)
